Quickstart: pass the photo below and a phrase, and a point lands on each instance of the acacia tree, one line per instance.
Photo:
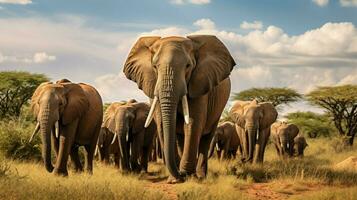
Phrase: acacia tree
(16, 89)
(341, 103)
(277, 96)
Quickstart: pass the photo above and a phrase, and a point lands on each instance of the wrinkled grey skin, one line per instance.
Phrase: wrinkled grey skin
(283, 135)
(299, 145)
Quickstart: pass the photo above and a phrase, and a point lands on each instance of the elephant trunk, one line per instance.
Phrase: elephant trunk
(212, 146)
(168, 111)
(252, 135)
(122, 130)
(45, 128)
(284, 145)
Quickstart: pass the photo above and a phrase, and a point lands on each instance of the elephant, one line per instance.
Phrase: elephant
(191, 71)
(253, 121)
(283, 135)
(69, 115)
(226, 140)
(106, 148)
(125, 121)
(299, 145)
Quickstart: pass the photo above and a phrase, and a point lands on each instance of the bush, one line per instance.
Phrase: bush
(14, 136)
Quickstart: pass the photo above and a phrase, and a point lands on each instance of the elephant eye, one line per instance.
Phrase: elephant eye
(188, 65)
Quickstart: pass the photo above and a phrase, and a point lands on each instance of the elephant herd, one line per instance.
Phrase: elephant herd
(187, 82)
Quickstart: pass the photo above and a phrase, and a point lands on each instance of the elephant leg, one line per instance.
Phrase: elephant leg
(180, 145)
(66, 142)
(89, 158)
(144, 159)
(191, 142)
(116, 160)
(75, 158)
(261, 144)
(202, 163)
(135, 147)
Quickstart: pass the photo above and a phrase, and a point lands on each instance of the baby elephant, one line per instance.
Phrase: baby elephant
(283, 135)
(226, 141)
(105, 147)
(299, 145)
(125, 134)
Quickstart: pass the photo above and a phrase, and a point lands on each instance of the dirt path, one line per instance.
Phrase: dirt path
(281, 190)
(161, 185)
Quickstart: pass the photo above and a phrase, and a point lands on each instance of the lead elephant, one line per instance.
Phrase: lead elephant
(126, 122)
(226, 141)
(283, 135)
(193, 72)
(253, 122)
(73, 114)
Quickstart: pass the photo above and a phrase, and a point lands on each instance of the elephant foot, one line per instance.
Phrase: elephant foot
(200, 175)
(59, 172)
(173, 180)
(49, 168)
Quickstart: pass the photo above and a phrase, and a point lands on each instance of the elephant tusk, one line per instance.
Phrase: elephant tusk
(57, 129)
(96, 150)
(115, 135)
(151, 112)
(217, 147)
(185, 109)
(37, 128)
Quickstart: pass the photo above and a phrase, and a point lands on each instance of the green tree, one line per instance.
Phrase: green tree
(312, 124)
(16, 89)
(341, 103)
(277, 96)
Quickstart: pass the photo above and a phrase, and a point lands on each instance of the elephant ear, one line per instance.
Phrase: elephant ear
(138, 66)
(269, 115)
(214, 63)
(109, 116)
(36, 97)
(237, 112)
(77, 102)
(274, 127)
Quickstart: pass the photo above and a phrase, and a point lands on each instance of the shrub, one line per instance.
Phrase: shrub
(14, 136)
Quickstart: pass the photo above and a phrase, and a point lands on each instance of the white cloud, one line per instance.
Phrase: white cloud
(321, 3)
(348, 3)
(43, 57)
(40, 57)
(21, 2)
(205, 24)
(253, 25)
(197, 2)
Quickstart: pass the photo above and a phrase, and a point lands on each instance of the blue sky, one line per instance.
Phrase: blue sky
(279, 43)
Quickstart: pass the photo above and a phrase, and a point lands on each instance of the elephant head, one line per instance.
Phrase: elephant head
(252, 117)
(171, 69)
(53, 105)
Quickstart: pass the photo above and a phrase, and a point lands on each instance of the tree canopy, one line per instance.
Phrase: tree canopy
(341, 103)
(312, 124)
(16, 89)
(277, 96)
